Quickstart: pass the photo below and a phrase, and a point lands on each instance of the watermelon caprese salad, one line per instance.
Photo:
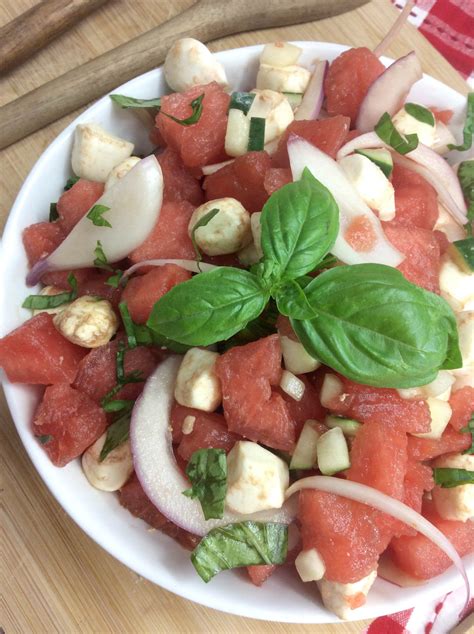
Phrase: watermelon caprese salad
(261, 336)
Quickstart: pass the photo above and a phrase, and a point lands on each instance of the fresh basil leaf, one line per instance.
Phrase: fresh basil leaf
(44, 438)
(447, 478)
(241, 101)
(100, 260)
(469, 429)
(268, 272)
(43, 302)
(259, 328)
(95, 216)
(468, 130)
(326, 263)
(132, 102)
(115, 279)
(376, 328)
(300, 223)
(207, 472)
(256, 141)
(466, 180)
(196, 105)
(118, 405)
(241, 544)
(70, 182)
(210, 307)
(420, 113)
(117, 433)
(202, 222)
(292, 301)
(128, 325)
(53, 212)
(390, 135)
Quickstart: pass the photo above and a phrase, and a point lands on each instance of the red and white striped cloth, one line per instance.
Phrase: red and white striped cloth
(449, 26)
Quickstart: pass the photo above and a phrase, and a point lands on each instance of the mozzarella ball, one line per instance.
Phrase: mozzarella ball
(88, 322)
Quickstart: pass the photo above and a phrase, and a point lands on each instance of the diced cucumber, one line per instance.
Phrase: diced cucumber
(304, 456)
(310, 565)
(332, 452)
(462, 252)
(294, 99)
(292, 385)
(256, 134)
(382, 158)
(332, 388)
(349, 426)
(241, 101)
(237, 133)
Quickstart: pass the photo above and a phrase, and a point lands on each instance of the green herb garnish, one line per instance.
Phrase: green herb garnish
(241, 101)
(100, 260)
(118, 405)
(95, 216)
(466, 180)
(202, 222)
(390, 135)
(132, 102)
(420, 113)
(469, 429)
(117, 433)
(447, 478)
(43, 302)
(115, 279)
(128, 325)
(256, 134)
(70, 182)
(468, 130)
(45, 438)
(207, 472)
(53, 212)
(196, 105)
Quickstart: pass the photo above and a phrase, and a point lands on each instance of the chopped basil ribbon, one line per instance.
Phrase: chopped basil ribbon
(131, 102)
(95, 216)
(241, 544)
(420, 113)
(53, 212)
(469, 429)
(466, 180)
(45, 438)
(117, 433)
(366, 321)
(207, 472)
(202, 222)
(241, 101)
(128, 325)
(70, 182)
(43, 302)
(389, 134)
(196, 105)
(447, 478)
(115, 279)
(100, 260)
(256, 141)
(468, 130)
(118, 405)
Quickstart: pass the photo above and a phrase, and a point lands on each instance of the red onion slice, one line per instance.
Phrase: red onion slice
(210, 169)
(314, 94)
(155, 464)
(193, 266)
(388, 92)
(378, 500)
(395, 30)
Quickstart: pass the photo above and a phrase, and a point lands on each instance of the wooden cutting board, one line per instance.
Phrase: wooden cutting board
(53, 577)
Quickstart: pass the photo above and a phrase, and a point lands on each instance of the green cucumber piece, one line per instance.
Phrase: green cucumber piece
(332, 452)
(349, 426)
(294, 99)
(462, 252)
(382, 158)
(241, 101)
(256, 134)
(304, 456)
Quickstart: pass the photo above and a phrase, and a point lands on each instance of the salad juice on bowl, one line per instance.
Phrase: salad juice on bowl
(220, 314)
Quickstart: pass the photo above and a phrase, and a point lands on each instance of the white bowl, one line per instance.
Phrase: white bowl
(152, 554)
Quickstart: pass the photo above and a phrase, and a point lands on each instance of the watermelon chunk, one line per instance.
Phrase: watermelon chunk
(309, 407)
(462, 405)
(416, 202)
(143, 291)
(275, 178)
(77, 201)
(67, 422)
(450, 441)
(179, 183)
(59, 278)
(37, 353)
(243, 179)
(252, 409)
(418, 479)
(41, 239)
(95, 284)
(259, 574)
(201, 143)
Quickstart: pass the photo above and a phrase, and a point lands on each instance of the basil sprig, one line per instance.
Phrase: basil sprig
(468, 130)
(95, 215)
(420, 113)
(466, 180)
(237, 545)
(207, 472)
(366, 321)
(43, 302)
(447, 477)
(469, 429)
(389, 134)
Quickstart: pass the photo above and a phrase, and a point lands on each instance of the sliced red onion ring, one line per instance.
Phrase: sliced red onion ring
(388, 92)
(193, 266)
(426, 162)
(314, 94)
(210, 169)
(156, 466)
(395, 30)
(378, 500)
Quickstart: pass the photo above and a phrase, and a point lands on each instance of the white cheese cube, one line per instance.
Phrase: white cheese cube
(237, 133)
(310, 565)
(96, 152)
(457, 287)
(275, 109)
(466, 338)
(447, 225)
(280, 54)
(440, 412)
(340, 598)
(197, 384)
(371, 184)
(120, 171)
(407, 124)
(332, 452)
(292, 385)
(295, 357)
(443, 138)
(227, 232)
(289, 78)
(256, 478)
(456, 503)
(190, 63)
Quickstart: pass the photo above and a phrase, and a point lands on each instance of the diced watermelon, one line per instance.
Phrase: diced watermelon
(450, 441)
(444, 116)
(416, 202)
(37, 353)
(259, 574)
(462, 405)
(169, 238)
(360, 234)
(251, 408)
(348, 79)
(97, 373)
(201, 143)
(143, 291)
(326, 134)
(443, 241)
(243, 179)
(41, 239)
(59, 278)
(383, 406)
(418, 479)
(179, 183)
(77, 201)
(134, 499)
(95, 284)
(421, 265)
(420, 557)
(309, 407)
(67, 422)
(275, 178)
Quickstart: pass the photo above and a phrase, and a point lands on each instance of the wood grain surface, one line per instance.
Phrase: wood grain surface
(53, 578)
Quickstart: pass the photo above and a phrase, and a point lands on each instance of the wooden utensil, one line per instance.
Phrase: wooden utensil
(205, 20)
(35, 28)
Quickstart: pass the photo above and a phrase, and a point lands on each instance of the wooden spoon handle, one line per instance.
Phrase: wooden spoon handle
(35, 28)
(204, 20)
